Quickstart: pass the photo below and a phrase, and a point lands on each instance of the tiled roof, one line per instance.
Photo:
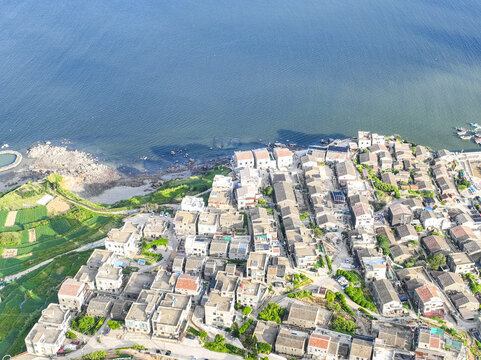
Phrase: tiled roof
(427, 292)
(186, 282)
(244, 155)
(70, 287)
(319, 341)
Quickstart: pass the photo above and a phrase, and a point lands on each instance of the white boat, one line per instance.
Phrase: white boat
(465, 137)
(474, 124)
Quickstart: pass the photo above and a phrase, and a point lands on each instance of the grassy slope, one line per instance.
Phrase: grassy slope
(174, 190)
(40, 288)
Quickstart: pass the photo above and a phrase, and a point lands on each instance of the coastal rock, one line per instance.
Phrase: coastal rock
(84, 167)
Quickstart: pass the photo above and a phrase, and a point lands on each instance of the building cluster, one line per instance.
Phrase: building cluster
(389, 210)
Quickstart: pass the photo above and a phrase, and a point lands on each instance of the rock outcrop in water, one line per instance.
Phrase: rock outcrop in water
(85, 167)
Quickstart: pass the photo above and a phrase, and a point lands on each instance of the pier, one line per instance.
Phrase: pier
(18, 159)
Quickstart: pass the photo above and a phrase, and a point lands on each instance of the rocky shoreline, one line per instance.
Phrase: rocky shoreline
(85, 175)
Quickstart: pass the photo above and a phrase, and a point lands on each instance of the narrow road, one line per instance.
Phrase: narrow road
(93, 245)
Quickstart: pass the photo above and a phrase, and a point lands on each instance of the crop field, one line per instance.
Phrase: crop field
(59, 235)
(27, 216)
(23, 300)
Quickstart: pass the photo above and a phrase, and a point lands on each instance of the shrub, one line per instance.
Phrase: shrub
(97, 355)
(264, 348)
(246, 310)
(114, 324)
(272, 312)
(244, 327)
(357, 295)
(341, 325)
(70, 335)
(300, 294)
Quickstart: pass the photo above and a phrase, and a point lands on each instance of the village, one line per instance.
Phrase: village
(364, 249)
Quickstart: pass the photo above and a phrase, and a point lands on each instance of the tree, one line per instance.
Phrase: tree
(86, 323)
(203, 335)
(114, 324)
(264, 348)
(235, 329)
(383, 244)
(435, 261)
(219, 339)
(247, 310)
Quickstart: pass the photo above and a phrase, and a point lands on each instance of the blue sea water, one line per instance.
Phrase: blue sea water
(130, 79)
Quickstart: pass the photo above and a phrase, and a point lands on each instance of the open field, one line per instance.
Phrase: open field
(22, 197)
(23, 299)
(10, 220)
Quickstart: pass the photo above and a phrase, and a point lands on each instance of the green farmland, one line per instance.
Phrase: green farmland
(23, 299)
(55, 236)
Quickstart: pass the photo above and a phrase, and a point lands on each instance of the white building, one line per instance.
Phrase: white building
(243, 159)
(124, 242)
(219, 310)
(192, 204)
(263, 159)
(196, 246)
(284, 158)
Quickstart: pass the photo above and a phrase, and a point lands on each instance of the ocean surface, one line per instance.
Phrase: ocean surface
(126, 80)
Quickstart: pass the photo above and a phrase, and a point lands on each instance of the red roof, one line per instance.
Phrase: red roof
(244, 155)
(187, 282)
(319, 341)
(282, 152)
(71, 287)
(427, 292)
(261, 154)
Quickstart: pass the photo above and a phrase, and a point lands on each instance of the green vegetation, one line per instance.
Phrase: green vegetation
(87, 325)
(357, 295)
(461, 182)
(150, 256)
(114, 325)
(97, 355)
(41, 287)
(246, 310)
(54, 236)
(267, 191)
(473, 284)
(351, 276)
(244, 327)
(329, 263)
(383, 244)
(300, 294)
(298, 280)
(435, 261)
(264, 348)
(381, 186)
(367, 313)
(305, 216)
(219, 345)
(272, 312)
(341, 325)
(21, 197)
(419, 228)
(71, 335)
(337, 302)
(174, 190)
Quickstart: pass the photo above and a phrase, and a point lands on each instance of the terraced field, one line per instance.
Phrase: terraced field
(23, 300)
(54, 235)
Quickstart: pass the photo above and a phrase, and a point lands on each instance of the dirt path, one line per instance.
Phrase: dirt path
(32, 237)
(10, 220)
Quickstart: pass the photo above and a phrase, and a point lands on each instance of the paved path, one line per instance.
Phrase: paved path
(186, 350)
(93, 245)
